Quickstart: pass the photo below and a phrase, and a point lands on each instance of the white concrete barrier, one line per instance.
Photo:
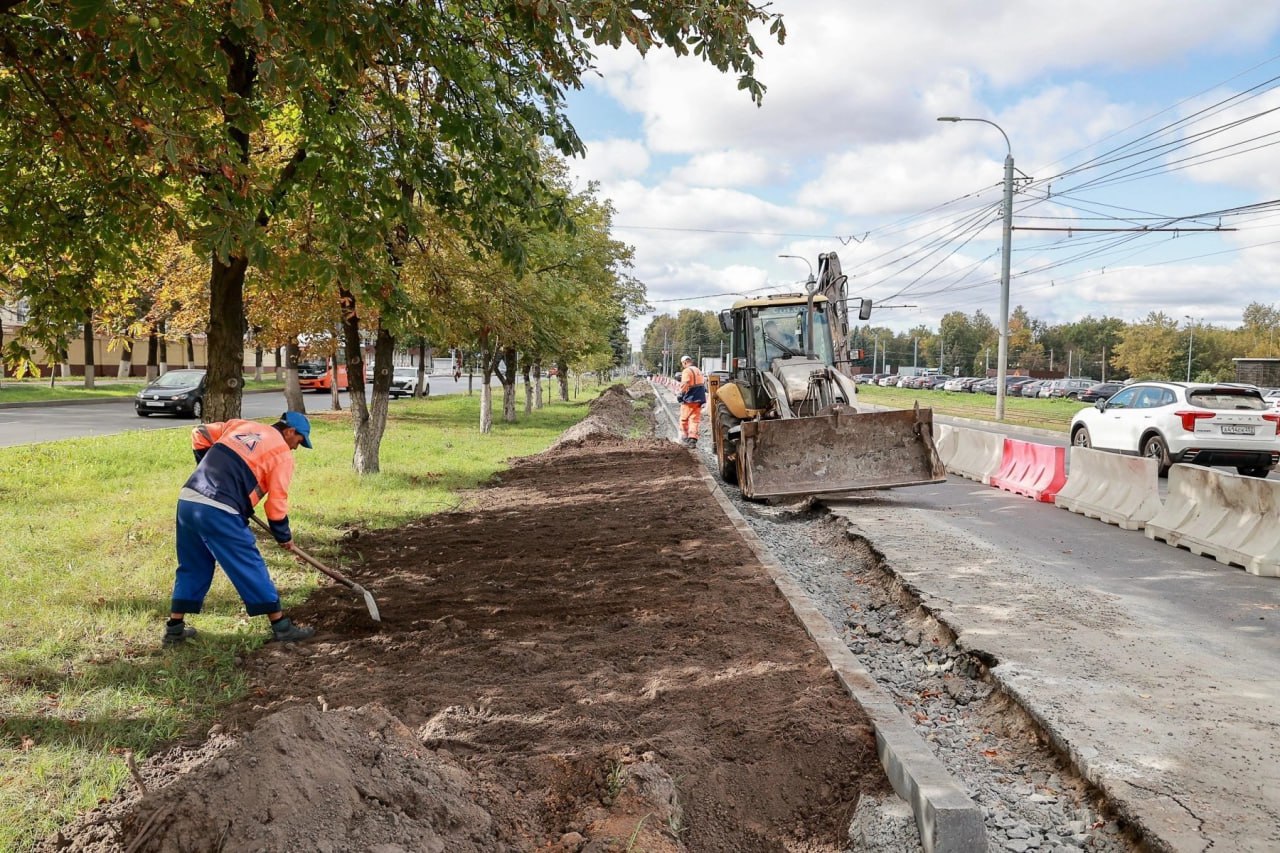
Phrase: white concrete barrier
(1225, 516)
(945, 440)
(1120, 490)
(978, 454)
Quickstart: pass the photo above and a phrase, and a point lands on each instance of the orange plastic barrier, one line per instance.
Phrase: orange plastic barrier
(1035, 470)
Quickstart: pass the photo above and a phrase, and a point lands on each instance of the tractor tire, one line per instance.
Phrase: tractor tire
(727, 466)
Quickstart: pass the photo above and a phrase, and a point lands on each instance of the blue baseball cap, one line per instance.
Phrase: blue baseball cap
(299, 421)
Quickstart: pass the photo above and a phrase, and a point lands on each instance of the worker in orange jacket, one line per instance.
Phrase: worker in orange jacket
(692, 397)
(238, 463)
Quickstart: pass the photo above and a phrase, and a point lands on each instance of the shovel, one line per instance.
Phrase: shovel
(338, 576)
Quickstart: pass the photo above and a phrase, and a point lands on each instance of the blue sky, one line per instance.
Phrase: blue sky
(710, 189)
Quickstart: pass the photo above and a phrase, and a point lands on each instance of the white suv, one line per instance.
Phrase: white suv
(1185, 422)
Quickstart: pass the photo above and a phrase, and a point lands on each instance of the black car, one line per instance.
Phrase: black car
(1100, 391)
(178, 392)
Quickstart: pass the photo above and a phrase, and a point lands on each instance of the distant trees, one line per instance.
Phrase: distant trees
(1096, 347)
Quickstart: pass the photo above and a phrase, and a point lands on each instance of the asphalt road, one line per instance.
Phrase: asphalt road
(51, 423)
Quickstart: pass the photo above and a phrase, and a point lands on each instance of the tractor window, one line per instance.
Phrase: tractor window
(779, 332)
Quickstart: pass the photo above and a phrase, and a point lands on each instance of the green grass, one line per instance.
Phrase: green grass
(1051, 414)
(86, 569)
(38, 390)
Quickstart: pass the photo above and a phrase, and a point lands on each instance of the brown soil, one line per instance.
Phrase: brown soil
(589, 658)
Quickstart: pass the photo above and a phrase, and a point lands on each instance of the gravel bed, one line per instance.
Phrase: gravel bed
(1031, 800)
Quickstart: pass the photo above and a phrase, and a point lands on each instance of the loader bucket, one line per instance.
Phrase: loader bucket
(839, 452)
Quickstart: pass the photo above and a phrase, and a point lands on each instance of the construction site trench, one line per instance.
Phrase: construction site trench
(587, 656)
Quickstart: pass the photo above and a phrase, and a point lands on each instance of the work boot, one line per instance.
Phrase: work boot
(177, 634)
(691, 442)
(284, 631)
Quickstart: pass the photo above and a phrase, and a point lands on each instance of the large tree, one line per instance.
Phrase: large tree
(219, 120)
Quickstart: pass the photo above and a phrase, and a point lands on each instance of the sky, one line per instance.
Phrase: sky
(1118, 115)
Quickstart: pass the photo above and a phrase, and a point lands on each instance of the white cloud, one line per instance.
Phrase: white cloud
(610, 160)
(847, 143)
(728, 168)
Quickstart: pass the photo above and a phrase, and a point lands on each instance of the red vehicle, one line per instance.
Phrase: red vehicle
(318, 376)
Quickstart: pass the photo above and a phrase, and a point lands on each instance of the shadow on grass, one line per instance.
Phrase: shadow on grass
(127, 701)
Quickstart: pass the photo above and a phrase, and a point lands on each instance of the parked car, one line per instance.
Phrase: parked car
(1011, 385)
(1272, 396)
(1208, 424)
(1031, 389)
(317, 376)
(1071, 388)
(955, 383)
(1098, 391)
(404, 381)
(936, 382)
(1046, 389)
(971, 384)
(178, 392)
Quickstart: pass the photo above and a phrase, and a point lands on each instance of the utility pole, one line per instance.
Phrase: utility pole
(1002, 360)
(915, 353)
(987, 368)
(1104, 362)
(1050, 359)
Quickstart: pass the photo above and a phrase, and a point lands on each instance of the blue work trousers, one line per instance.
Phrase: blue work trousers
(206, 534)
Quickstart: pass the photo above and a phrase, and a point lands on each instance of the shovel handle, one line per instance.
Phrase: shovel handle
(307, 558)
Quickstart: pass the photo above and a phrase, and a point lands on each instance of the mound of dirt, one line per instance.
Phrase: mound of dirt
(590, 659)
(613, 413)
(345, 780)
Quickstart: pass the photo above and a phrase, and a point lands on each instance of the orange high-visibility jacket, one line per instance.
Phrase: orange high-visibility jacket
(693, 388)
(240, 462)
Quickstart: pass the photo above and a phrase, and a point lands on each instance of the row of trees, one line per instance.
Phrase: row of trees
(1157, 347)
(362, 167)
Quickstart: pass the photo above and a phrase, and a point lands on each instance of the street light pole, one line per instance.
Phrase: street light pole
(1002, 356)
(1191, 339)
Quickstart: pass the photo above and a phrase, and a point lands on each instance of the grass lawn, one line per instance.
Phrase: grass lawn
(86, 569)
(38, 390)
(1052, 414)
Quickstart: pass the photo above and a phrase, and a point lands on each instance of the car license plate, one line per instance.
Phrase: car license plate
(1237, 429)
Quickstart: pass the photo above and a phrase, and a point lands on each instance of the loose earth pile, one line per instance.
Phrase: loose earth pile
(587, 658)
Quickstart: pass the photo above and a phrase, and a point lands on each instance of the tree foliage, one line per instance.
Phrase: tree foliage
(218, 121)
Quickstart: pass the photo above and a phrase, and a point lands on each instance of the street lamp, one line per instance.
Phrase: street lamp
(1190, 341)
(1002, 356)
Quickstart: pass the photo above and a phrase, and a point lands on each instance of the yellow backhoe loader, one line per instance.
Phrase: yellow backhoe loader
(784, 413)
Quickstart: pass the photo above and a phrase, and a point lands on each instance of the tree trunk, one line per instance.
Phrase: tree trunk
(153, 355)
(562, 373)
(257, 364)
(226, 340)
(528, 389)
(292, 390)
(163, 343)
(126, 359)
(369, 419)
(487, 364)
(508, 377)
(537, 383)
(191, 352)
(90, 364)
(280, 363)
(64, 363)
(334, 399)
(424, 358)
